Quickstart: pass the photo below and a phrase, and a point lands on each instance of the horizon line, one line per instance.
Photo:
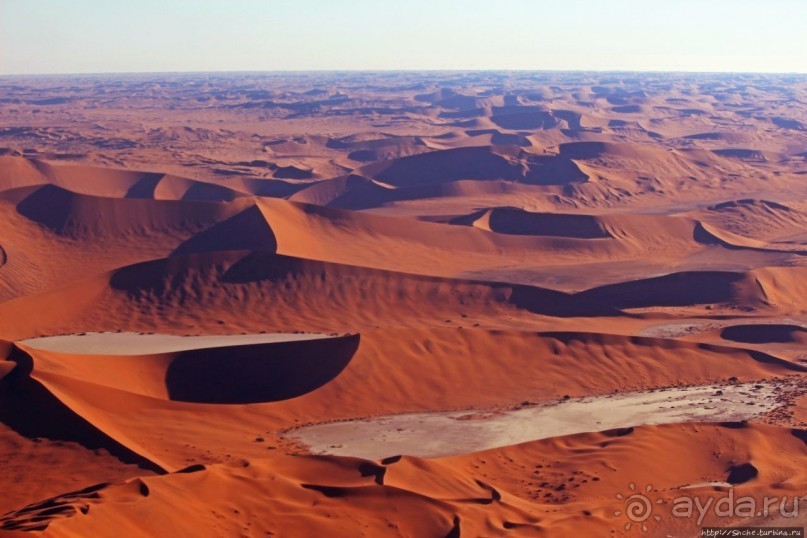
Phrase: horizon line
(404, 70)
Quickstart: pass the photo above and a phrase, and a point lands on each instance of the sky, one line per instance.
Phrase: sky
(102, 36)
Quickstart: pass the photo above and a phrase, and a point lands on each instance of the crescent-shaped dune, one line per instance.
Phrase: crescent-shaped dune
(106, 182)
(70, 386)
(764, 333)
(393, 304)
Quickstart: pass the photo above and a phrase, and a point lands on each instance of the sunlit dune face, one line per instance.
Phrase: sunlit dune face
(402, 303)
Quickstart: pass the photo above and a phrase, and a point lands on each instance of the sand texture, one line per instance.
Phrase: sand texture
(398, 304)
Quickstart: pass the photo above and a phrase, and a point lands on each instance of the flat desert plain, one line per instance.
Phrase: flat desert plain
(402, 304)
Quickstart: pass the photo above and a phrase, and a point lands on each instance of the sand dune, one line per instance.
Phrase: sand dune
(522, 270)
(79, 231)
(357, 192)
(66, 213)
(465, 370)
(777, 287)
(478, 163)
(476, 494)
(108, 182)
(761, 219)
(514, 221)
(764, 333)
(305, 294)
(232, 373)
(73, 386)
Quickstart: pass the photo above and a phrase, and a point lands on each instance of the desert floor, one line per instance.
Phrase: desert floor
(401, 304)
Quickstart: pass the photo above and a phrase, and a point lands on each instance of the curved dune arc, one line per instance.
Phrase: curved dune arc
(449, 369)
(111, 182)
(771, 287)
(365, 193)
(523, 118)
(90, 234)
(304, 294)
(310, 231)
(675, 289)
(64, 211)
(708, 234)
(477, 163)
(771, 223)
(89, 399)
(592, 150)
(765, 333)
(516, 221)
(258, 373)
(238, 374)
(407, 245)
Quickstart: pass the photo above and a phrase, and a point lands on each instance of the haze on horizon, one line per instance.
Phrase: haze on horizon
(95, 36)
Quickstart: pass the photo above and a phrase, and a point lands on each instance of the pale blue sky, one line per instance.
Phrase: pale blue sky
(94, 36)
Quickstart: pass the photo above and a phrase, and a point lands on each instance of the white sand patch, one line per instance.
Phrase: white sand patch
(449, 433)
(128, 343)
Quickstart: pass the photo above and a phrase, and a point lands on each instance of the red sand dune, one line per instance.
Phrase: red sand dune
(477, 494)
(477, 243)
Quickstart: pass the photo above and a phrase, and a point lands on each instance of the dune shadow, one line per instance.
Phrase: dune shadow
(676, 289)
(263, 266)
(31, 410)
(145, 186)
(247, 230)
(159, 276)
(48, 205)
(553, 303)
(258, 373)
(740, 474)
(515, 221)
(208, 192)
(763, 333)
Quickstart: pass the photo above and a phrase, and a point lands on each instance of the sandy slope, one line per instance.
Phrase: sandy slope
(475, 245)
(512, 491)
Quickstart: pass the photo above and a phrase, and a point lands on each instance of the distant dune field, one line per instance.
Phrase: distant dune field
(396, 304)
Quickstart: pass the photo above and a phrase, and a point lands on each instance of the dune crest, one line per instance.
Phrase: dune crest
(451, 304)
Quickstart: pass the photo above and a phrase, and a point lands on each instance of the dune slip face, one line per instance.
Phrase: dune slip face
(440, 304)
